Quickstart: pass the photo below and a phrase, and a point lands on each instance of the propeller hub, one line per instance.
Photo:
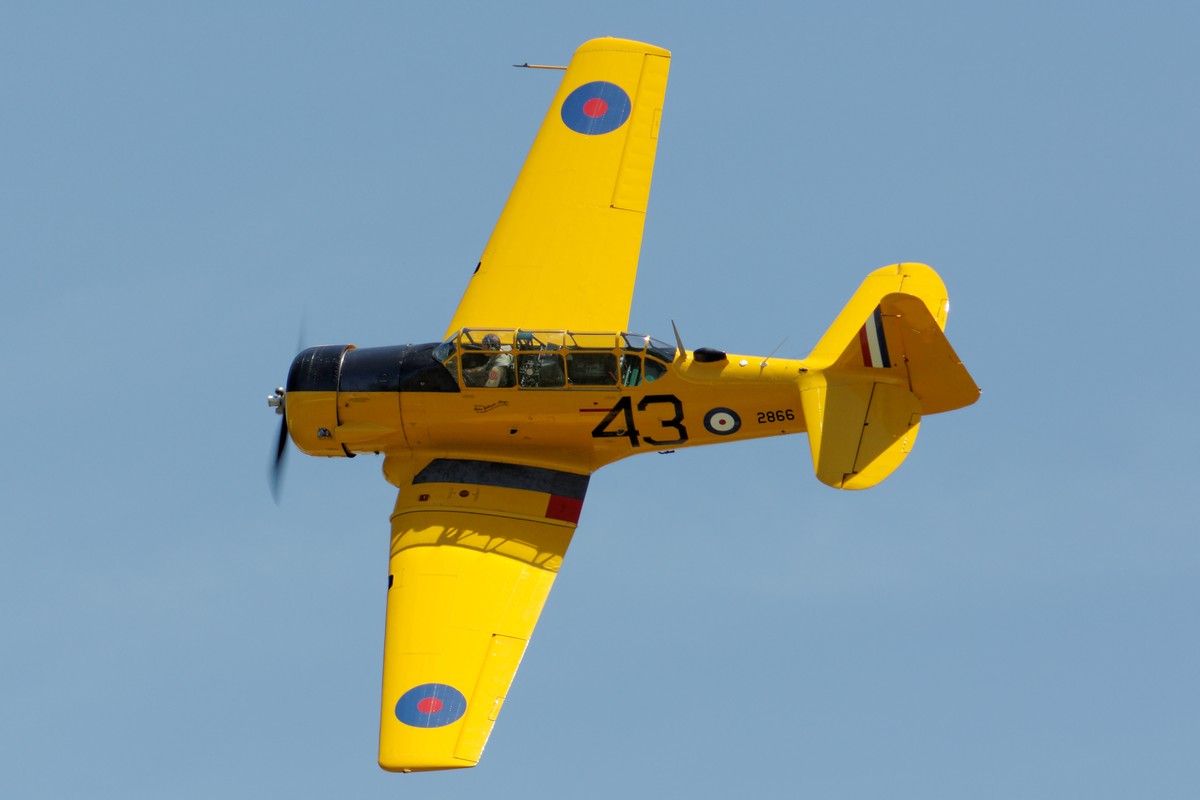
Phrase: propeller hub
(276, 400)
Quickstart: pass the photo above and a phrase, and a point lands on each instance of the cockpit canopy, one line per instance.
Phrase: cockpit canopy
(505, 358)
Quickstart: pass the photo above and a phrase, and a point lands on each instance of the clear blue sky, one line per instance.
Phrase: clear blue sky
(1013, 614)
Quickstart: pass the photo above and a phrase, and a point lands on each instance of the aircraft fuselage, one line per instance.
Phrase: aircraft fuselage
(563, 407)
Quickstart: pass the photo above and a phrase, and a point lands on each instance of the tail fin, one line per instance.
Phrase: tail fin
(883, 363)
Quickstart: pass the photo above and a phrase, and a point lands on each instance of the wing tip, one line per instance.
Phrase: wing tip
(615, 44)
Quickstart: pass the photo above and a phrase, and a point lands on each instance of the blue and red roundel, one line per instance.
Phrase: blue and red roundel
(595, 108)
(431, 705)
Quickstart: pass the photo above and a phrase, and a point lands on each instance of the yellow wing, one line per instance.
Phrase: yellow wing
(475, 549)
(564, 252)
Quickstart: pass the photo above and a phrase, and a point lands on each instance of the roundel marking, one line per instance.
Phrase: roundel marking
(722, 421)
(595, 108)
(431, 705)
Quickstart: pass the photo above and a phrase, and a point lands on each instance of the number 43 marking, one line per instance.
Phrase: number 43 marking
(624, 409)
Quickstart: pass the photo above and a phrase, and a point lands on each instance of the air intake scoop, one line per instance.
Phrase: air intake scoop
(707, 355)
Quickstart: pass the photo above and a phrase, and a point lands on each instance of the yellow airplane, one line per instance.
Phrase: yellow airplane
(492, 433)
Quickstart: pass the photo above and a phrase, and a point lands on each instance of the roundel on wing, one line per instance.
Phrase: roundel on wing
(431, 705)
(595, 108)
(722, 421)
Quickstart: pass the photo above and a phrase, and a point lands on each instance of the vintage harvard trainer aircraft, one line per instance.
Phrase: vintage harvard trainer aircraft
(492, 433)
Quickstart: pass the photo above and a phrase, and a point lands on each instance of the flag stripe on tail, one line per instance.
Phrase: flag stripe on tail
(873, 342)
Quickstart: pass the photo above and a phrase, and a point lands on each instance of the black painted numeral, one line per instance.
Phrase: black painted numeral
(623, 406)
(675, 422)
(609, 427)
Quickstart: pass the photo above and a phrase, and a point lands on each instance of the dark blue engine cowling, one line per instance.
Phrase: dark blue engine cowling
(345, 368)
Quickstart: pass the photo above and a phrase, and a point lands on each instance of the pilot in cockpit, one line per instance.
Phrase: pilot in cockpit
(496, 372)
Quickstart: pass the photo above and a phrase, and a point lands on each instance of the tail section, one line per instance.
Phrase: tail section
(883, 363)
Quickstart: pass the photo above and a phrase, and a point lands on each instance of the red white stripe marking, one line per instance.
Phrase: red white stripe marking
(872, 341)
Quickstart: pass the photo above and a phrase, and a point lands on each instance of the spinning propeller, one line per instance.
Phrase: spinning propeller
(276, 401)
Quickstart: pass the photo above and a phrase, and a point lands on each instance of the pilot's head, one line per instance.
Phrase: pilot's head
(491, 341)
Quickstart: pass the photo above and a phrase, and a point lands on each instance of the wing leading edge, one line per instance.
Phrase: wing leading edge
(476, 546)
(564, 252)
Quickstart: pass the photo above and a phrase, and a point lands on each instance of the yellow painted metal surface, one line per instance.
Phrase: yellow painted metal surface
(862, 429)
(311, 418)
(564, 252)
(491, 477)
(471, 567)
(936, 374)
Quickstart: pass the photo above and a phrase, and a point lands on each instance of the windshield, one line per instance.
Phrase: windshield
(656, 348)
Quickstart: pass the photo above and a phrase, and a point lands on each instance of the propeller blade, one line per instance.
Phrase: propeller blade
(275, 474)
(277, 467)
(277, 401)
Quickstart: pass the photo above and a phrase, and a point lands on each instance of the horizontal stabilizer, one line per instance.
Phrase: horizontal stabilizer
(859, 429)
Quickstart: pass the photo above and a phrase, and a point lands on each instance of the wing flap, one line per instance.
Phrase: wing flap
(495, 676)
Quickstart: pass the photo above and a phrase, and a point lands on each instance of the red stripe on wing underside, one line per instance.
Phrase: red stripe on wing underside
(562, 508)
